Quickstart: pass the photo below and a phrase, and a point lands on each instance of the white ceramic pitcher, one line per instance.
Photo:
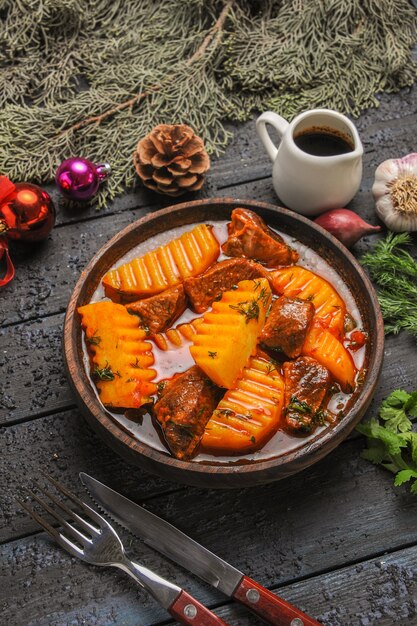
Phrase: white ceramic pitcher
(304, 182)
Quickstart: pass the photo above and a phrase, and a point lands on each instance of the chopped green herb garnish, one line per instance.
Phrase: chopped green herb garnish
(161, 386)
(188, 428)
(253, 440)
(320, 417)
(225, 412)
(249, 309)
(94, 340)
(136, 364)
(300, 406)
(360, 378)
(212, 355)
(271, 367)
(104, 373)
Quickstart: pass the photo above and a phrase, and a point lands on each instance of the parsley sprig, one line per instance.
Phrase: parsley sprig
(391, 440)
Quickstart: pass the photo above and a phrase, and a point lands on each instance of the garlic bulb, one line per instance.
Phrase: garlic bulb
(395, 193)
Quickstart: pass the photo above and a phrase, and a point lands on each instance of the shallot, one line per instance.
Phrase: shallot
(345, 225)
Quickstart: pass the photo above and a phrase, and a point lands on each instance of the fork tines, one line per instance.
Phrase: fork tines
(75, 532)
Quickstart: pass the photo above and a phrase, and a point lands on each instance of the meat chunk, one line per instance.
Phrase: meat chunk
(249, 236)
(184, 409)
(306, 386)
(203, 290)
(287, 326)
(159, 312)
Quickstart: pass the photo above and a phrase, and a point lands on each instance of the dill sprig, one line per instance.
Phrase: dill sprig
(394, 271)
(249, 309)
(104, 373)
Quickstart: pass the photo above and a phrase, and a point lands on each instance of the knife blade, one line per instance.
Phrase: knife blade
(177, 546)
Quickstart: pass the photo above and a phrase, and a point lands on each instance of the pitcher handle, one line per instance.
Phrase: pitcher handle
(280, 126)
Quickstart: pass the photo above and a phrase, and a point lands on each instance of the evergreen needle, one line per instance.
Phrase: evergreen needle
(92, 78)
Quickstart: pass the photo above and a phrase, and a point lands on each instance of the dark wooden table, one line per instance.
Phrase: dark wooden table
(338, 539)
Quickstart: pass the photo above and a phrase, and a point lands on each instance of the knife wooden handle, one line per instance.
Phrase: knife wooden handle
(270, 607)
(187, 610)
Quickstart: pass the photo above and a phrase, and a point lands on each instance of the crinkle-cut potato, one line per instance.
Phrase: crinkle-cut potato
(228, 335)
(249, 413)
(323, 346)
(188, 255)
(120, 357)
(174, 337)
(298, 282)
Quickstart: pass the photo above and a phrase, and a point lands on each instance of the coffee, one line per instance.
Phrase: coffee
(322, 142)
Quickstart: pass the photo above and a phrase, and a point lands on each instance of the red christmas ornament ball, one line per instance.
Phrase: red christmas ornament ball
(27, 213)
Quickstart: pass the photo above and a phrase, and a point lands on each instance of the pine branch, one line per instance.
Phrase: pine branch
(131, 102)
(92, 78)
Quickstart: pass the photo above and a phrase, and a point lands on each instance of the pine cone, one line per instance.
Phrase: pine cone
(171, 159)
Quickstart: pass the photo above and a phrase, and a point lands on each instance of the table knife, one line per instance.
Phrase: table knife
(173, 543)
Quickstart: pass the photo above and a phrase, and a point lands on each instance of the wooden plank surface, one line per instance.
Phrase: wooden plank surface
(319, 538)
(243, 527)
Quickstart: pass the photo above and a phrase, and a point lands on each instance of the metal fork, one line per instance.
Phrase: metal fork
(94, 540)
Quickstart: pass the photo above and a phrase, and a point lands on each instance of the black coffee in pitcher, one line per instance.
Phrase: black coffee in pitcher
(323, 142)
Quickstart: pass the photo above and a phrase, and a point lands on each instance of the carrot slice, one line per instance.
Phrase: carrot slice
(188, 255)
(249, 413)
(174, 337)
(298, 282)
(120, 357)
(323, 346)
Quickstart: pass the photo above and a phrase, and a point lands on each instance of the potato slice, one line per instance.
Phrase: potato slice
(298, 282)
(120, 357)
(228, 334)
(188, 255)
(249, 413)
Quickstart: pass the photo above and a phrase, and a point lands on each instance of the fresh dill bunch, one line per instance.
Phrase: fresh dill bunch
(394, 271)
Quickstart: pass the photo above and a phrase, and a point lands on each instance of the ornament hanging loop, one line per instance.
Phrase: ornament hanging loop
(103, 170)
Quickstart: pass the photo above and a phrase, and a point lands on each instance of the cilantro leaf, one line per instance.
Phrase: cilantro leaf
(404, 476)
(391, 440)
(393, 411)
(397, 398)
(411, 404)
(375, 452)
(411, 439)
(395, 419)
